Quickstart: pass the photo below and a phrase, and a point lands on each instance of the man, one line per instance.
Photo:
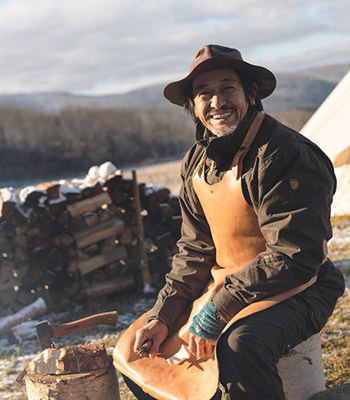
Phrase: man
(255, 202)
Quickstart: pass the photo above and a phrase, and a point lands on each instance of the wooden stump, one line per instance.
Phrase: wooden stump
(92, 385)
(301, 370)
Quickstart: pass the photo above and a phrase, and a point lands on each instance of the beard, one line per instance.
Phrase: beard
(227, 130)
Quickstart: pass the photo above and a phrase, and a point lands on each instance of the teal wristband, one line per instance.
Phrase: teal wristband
(206, 325)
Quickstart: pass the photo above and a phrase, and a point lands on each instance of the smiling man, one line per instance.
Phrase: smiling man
(219, 101)
(255, 202)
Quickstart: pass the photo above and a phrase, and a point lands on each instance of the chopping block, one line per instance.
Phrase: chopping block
(79, 372)
(92, 385)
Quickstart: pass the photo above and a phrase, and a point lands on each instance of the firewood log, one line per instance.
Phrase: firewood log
(21, 254)
(102, 259)
(126, 185)
(108, 244)
(89, 204)
(91, 218)
(77, 224)
(6, 207)
(164, 240)
(127, 236)
(121, 284)
(63, 240)
(113, 183)
(175, 223)
(51, 188)
(63, 218)
(34, 310)
(118, 197)
(166, 211)
(162, 193)
(113, 226)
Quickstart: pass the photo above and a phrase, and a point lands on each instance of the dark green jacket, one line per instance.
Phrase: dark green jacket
(290, 183)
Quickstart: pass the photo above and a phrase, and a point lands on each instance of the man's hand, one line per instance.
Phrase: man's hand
(204, 331)
(201, 347)
(155, 332)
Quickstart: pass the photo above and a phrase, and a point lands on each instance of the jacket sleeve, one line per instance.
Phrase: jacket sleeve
(291, 195)
(191, 266)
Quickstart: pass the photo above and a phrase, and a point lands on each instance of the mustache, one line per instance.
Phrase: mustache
(221, 109)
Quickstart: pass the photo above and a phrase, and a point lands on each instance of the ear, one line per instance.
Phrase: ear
(251, 98)
(195, 110)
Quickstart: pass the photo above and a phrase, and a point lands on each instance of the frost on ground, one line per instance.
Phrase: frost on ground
(335, 335)
(14, 356)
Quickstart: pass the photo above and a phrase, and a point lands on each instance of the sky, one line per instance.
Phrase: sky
(113, 46)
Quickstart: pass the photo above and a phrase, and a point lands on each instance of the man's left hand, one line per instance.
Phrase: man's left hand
(201, 347)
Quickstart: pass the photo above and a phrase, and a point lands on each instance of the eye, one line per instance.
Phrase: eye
(229, 89)
(204, 95)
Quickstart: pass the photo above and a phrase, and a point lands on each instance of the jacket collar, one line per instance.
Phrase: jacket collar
(229, 150)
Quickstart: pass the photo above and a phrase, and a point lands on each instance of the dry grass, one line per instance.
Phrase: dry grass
(335, 341)
(163, 174)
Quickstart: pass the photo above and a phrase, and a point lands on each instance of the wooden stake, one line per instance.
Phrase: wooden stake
(145, 269)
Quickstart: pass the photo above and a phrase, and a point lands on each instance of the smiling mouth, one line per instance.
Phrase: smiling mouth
(221, 115)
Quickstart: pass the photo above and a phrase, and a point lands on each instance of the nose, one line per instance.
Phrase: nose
(217, 101)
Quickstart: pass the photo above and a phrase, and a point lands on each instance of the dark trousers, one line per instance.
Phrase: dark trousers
(249, 351)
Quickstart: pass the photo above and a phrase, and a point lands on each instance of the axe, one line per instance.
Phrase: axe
(45, 332)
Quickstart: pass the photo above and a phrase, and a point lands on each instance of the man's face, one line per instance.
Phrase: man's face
(219, 100)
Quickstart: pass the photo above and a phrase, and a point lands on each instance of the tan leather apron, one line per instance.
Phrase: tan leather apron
(238, 240)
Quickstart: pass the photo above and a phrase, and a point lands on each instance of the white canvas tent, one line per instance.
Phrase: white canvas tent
(329, 127)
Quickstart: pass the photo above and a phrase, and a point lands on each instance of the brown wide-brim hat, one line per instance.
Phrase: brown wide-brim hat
(212, 57)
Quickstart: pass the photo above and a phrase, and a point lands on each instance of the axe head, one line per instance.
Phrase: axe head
(44, 334)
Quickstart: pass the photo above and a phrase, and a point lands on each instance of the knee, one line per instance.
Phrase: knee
(243, 342)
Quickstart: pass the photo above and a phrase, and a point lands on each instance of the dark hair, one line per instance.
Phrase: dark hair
(249, 91)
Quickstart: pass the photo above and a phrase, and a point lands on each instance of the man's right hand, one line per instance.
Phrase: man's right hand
(156, 331)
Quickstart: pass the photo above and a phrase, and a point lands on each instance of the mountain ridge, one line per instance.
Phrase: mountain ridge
(295, 89)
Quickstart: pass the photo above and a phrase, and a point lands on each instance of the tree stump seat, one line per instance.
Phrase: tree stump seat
(301, 370)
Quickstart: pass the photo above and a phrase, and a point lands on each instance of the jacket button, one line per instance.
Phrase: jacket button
(294, 183)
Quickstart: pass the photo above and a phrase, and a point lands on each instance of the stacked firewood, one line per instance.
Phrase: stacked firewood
(68, 241)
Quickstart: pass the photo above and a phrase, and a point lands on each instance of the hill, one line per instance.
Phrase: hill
(298, 89)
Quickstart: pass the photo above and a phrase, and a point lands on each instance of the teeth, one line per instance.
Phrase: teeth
(218, 116)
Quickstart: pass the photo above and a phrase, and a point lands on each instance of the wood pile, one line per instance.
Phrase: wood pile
(67, 241)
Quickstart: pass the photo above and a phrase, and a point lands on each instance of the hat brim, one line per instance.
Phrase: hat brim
(177, 92)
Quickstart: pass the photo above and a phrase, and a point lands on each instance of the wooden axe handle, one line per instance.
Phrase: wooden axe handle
(107, 318)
